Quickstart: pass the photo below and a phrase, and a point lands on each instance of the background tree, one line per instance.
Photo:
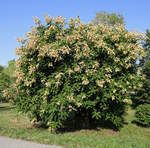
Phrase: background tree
(146, 46)
(9, 92)
(1, 68)
(10, 69)
(4, 83)
(109, 19)
(143, 94)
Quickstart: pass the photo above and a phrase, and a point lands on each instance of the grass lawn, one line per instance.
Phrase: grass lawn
(15, 125)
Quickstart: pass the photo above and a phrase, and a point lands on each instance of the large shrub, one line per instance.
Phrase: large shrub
(76, 71)
(143, 115)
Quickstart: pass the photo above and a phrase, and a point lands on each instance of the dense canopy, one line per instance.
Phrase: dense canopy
(76, 71)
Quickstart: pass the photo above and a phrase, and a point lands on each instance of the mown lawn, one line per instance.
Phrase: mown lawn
(15, 125)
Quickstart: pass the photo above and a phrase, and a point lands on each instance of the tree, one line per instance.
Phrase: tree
(4, 83)
(10, 70)
(109, 19)
(83, 71)
(142, 95)
(10, 91)
(146, 46)
(1, 68)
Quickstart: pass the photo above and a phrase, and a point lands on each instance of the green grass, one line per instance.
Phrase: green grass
(15, 125)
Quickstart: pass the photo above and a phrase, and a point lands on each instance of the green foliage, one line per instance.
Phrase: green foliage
(109, 19)
(146, 46)
(4, 83)
(143, 115)
(10, 69)
(1, 68)
(146, 69)
(143, 93)
(82, 71)
(10, 93)
(7, 82)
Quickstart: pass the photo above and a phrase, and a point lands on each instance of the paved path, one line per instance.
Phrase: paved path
(12, 143)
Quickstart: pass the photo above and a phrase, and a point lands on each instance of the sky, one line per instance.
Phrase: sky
(16, 16)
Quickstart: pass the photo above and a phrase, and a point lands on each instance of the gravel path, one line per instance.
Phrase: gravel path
(13, 143)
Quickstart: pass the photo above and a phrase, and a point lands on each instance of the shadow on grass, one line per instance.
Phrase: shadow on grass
(78, 126)
(140, 124)
(6, 107)
(98, 128)
(76, 123)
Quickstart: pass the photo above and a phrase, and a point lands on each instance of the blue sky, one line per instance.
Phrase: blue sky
(16, 16)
